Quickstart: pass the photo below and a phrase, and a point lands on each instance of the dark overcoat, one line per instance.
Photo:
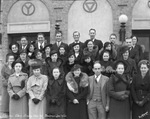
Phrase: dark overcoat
(140, 90)
(56, 96)
(77, 111)
(118, 86)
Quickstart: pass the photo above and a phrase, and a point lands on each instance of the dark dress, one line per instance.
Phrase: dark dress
(56, 97)
(78, 59)
(118, 86)
(77, 111)
(140, 90)
(105, 65)
(131, 69)
(51, 65)
(68, 67)
(88, 68)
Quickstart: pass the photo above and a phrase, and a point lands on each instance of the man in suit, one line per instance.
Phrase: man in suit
(58, 43)
(76, 36)
(23, 45)
(41, 42)
(97, 100)
(133, 53)
(113, 41)
(92, 33)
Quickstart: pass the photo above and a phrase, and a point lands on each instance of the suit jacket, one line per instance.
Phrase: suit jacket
(96, 42)
(55, 47)
(105, 97)
(20, 47)
(37, 47)
(134, 54)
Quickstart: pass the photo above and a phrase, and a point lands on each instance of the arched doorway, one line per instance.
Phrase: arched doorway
(27, 18)
(86, 14)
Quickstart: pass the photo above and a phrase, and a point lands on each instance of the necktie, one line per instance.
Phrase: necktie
(58, 44)
(41, 47)
(96, 79)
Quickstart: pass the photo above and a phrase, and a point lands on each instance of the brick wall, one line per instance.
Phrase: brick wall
(58, 11)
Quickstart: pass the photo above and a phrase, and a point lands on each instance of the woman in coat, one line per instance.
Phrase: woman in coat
(56, 95)
(70, 62)
(77, 90)
(112, 51)
(53, 61)
(107, 64)
(36, 87)
(77, 52)
(6, 71)
(31, 50)
(46, 51)
(18, 108)
(14, 49)
(92, 50)
(140, 90)
(118, 90)
(87, 65)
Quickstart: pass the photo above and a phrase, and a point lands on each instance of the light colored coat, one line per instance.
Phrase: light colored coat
(17, 108)
(36, 87)
(105, 97)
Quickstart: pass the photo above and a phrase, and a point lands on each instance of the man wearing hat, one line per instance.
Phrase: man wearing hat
(97, 100)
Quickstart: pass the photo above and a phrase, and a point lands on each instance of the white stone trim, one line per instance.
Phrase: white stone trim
(28, 27)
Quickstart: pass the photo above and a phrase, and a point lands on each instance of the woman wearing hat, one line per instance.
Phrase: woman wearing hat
(25, 59)
(112, 51)
(47, 51)
(6, 71)
(18, 108)
(91, 49)
(56, 95)
(131, 65)
(53, 61)
(38, 55)
(87, 65)
(77, 52)
(107, 64)
(36, 87)
(70, 62)
(119, 92)
(77, 90)
(140, 90)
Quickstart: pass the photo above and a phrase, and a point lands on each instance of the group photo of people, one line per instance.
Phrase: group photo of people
(80, 80)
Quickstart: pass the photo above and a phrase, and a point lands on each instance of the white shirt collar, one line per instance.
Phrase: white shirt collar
(39, 44)
(24, 47)
(77, 42)
(98, 78)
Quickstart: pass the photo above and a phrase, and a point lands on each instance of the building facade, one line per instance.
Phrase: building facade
(29, 17)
